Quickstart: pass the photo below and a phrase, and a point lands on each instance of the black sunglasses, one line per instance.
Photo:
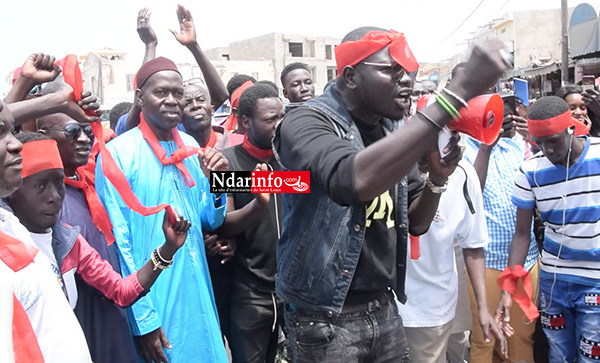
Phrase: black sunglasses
(72, 131)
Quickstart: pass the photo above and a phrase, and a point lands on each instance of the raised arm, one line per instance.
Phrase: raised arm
(147, 34)
(383, 163)
(38, 68)
(187, 38)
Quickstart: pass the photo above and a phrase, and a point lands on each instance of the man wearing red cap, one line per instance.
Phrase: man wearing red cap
(562, 182)
(342, 251)
(160, 165)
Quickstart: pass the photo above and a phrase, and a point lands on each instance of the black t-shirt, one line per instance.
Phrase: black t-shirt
(376, 267)
(330, 159)
(254, 262)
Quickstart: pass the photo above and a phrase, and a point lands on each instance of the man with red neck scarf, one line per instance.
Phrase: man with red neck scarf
(342, 252)
(256, 312)
(177, 320)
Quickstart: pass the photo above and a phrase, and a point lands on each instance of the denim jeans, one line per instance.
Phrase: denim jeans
(375, 335)
(570, 317)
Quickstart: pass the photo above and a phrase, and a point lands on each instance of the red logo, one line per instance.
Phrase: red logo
(281, 182)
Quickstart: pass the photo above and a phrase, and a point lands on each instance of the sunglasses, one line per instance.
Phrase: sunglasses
(396, 70)
(72, 131)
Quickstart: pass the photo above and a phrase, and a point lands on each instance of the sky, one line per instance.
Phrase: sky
(58, 27)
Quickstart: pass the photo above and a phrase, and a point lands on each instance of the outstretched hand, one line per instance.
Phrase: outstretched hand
(39, 68)
(187, 31)
(144, 28)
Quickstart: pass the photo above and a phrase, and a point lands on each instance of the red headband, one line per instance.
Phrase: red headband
(351, 53)
(230, 124)
(556, 124)
(40, 155)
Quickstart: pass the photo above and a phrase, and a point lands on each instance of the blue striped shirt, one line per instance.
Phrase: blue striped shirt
(500, 212)
(570, 210)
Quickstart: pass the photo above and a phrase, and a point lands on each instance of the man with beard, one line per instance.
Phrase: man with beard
(163, 166)
(342, 251)
(256, 313)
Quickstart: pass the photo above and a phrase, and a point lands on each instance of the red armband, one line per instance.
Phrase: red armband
(509, 281)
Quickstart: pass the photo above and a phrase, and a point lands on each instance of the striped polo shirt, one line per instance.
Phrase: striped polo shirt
(570, 210)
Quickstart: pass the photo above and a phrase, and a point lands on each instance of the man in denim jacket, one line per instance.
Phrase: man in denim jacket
(337, 259)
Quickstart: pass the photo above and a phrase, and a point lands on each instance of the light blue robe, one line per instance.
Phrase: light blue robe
(181, 301)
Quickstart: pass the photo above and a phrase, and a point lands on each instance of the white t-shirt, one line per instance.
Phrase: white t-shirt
(43, 241)
(58, 332)
(431, 280)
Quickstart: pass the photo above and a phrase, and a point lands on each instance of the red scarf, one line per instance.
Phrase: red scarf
(183, 151)
(17, 255)
(509, 281)
(115, 175)
(212, 140)
(255, 152)
(99, 214)
(231, 122)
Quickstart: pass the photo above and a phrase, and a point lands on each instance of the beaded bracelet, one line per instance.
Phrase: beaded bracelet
(161, 258)
(446, 105)
(429, 119)
(159, 262)
(456, 97)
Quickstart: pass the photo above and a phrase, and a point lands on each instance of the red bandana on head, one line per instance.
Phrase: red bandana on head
(40, 155)
(556, 124)
(352, 52)
(230, 124)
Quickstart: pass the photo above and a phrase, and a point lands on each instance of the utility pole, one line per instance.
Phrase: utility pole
(564, 69)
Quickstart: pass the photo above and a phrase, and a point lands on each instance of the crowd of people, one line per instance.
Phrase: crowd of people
(114, 249)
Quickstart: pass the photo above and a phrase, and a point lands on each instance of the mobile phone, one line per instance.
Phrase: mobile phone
(588, 82)
(510, 107)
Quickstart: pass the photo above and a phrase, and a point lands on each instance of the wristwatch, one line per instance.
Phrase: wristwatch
(437, 189)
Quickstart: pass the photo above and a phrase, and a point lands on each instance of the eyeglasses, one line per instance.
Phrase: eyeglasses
(72, 131)
(396, 70)
(195, 80)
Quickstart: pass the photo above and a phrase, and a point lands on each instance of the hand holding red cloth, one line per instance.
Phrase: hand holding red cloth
(509, 281)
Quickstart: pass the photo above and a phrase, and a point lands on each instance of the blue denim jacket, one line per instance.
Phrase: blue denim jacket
(321, 241)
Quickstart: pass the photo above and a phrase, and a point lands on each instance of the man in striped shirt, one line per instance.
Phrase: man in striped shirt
(563, 182)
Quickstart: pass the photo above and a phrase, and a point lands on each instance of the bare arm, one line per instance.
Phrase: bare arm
(519, 246)
(37, 69)
(147, 34)
(58, 102)
(475, 264)
(187, 38)
(481, 163)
